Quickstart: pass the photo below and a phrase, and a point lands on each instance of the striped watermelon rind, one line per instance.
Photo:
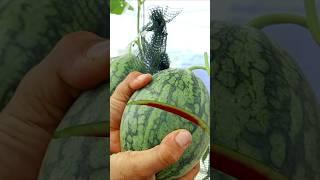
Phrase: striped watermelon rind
(264, 107)
(143, 127)
(121, 66)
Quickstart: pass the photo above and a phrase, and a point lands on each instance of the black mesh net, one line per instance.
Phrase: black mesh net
(154, 39)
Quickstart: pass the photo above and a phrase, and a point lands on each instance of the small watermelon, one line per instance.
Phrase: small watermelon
(121, 66)
(175, 99)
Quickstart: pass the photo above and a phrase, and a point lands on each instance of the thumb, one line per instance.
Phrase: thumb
(148, 162)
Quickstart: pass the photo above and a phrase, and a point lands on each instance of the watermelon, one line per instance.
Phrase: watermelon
(121, 66)
(175, 99)
(80, 157)
(31, 28)
(264, 110)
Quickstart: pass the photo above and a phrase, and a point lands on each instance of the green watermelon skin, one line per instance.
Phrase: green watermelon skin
(80, 158)
(31, 28)
(121, 66)
(263, 106)
(143, 127)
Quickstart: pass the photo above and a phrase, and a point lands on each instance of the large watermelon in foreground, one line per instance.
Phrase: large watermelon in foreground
(264, 108)
(175, 99)
(80, 157)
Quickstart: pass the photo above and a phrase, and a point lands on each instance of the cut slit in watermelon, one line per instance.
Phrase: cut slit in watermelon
(101, 129)
(96, 129)
(240, 166)
(175, 110)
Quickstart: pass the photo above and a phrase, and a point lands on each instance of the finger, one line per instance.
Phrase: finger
(118, 101)
(192, 173)
(155, 159)
(134, 81)
(78, 62)
(45, 94)
(122, 93)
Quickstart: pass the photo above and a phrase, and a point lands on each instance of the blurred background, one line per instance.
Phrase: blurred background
(296, 40)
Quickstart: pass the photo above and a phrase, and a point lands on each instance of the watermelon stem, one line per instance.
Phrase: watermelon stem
(261, 22)
(312, 19)
(206, 67)
(197, 67)
(138, 41)
(96, 129)
(310, 22)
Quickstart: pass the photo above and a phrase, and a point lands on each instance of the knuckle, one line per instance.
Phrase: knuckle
(133, 74)
(134, 165)
(167, 157)
(197, 168)
(74, 35)
(70, 38)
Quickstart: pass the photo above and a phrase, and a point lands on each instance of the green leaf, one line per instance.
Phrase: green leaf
(118, 6)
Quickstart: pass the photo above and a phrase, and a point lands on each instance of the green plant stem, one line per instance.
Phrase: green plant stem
(138, 42)
(96, 129)
(206, 67)
(138, 17)
(198, 67)
(312, 19)
(206, 61)
(310, 22)
(261, 22)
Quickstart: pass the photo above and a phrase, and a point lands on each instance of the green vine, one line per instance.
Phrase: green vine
(312, 19)
(138, 40)
(310, 22)
(206, 67)
(281, 18)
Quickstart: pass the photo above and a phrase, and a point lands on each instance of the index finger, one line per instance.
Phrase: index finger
(118, 102)
(120, 97)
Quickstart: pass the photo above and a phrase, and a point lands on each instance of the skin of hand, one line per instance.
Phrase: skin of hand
(78, 62)
(142, 164)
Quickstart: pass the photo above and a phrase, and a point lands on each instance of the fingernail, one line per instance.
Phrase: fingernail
(141, 77)
(98, 50)
(183, 139)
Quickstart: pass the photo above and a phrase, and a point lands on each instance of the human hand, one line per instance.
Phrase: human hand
(142, 164)
(77, 63)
